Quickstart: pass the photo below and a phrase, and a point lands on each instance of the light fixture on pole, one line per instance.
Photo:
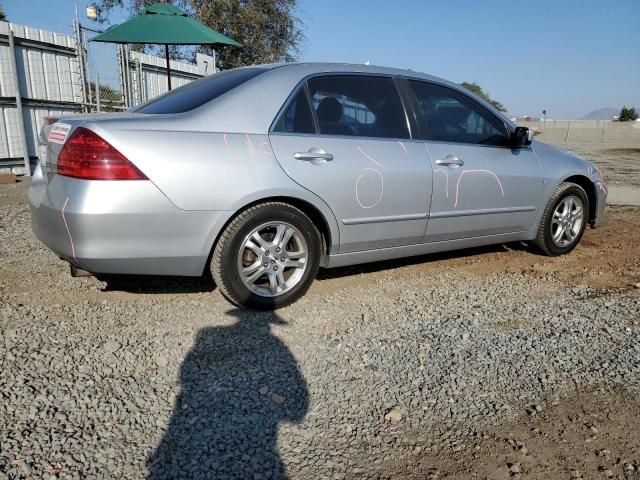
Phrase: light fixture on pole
(92, 11)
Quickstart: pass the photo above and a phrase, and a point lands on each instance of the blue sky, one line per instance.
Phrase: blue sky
(566, 56)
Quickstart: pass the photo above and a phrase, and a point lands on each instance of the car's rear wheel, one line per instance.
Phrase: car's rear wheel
(564, 220)
(267, 256)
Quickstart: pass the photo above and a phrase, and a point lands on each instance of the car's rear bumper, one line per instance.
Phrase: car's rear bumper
(124, 227)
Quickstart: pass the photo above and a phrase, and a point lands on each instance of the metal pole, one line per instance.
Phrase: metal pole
(81, 59)
(123, 86)
(21, 131)
(127, 74)
(166, 53)
(89, 90)
(566, 139)
(98, 92)
(127, 77)
(139, 81)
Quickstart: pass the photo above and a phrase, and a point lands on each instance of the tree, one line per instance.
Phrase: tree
(628, 115)
(477, 89)
(269, 30)
(3, 16)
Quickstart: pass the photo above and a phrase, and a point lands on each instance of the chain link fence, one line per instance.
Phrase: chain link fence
(104, 86)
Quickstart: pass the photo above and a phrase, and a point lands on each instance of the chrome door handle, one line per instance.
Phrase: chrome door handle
(316, 155)
(450, 161)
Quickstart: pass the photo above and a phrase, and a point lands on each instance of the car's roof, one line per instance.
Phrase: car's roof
(229, 112)
(324, 67)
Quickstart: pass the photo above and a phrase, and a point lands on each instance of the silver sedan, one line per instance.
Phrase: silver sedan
(264, 174)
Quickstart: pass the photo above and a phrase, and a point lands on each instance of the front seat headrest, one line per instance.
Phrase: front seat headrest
(329, 110)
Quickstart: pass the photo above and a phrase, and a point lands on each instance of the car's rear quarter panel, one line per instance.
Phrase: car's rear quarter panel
(199, 170)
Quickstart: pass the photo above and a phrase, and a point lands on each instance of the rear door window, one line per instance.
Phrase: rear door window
(297, 118)
(197, 93)
(450, 116)
(358, 105)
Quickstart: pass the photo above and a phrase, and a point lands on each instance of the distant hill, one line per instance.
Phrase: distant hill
(601, 114)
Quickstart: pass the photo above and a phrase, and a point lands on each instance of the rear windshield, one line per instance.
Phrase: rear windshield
(201, 91)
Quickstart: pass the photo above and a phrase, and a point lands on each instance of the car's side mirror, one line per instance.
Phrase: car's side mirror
(521, 137)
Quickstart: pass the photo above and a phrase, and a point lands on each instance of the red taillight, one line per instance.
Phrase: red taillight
(87, 155)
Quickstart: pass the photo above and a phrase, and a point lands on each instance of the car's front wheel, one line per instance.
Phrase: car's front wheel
(267, 257)
(564, 220)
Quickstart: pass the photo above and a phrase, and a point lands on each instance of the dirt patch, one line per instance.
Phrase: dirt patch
(588, 436)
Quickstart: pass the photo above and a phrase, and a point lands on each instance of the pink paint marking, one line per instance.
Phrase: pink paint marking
(266, 148)
(228, 147)
(476, 171)
(252, 149)
(370, 158)
(446, 180)
(362, 173)
(599, 172)
(602, 188)
(73, 250)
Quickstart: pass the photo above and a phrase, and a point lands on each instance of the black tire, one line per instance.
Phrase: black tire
(544, 240)
(224, 266)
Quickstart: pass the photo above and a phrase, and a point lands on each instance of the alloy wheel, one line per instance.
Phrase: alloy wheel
(272, 259)
(566, 221)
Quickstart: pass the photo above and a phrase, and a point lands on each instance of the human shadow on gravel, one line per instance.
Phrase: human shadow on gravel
(238, 383)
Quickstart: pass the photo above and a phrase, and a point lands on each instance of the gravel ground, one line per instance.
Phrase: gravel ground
(491, 363)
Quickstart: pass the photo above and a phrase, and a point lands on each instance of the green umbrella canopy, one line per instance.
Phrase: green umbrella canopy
(163, 24)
